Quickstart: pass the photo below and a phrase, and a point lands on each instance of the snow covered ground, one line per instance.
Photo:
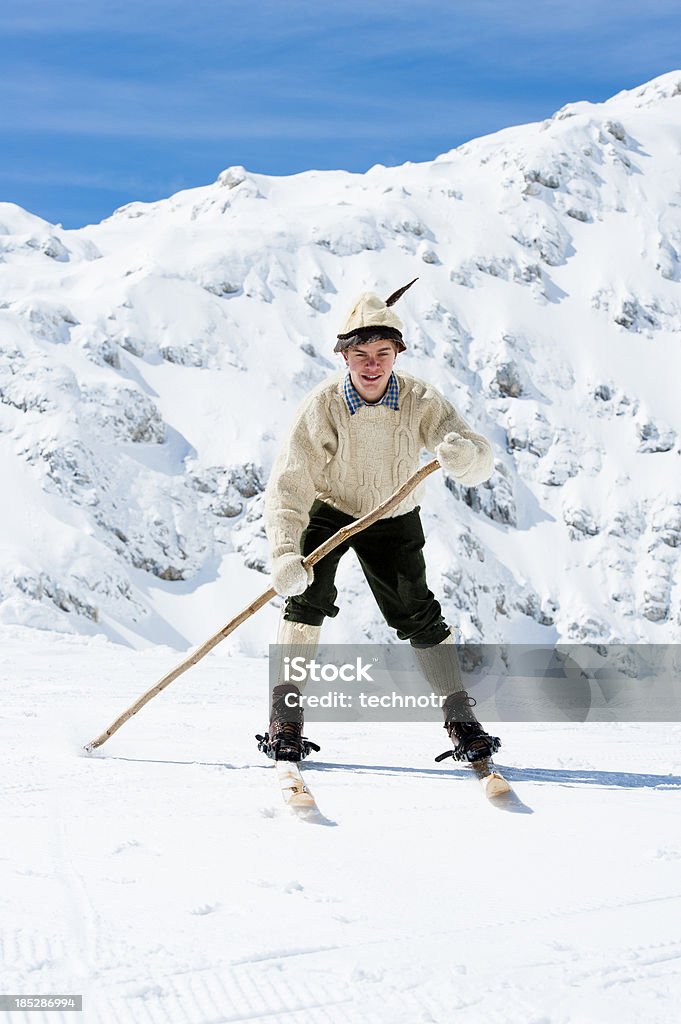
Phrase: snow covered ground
(163, 878)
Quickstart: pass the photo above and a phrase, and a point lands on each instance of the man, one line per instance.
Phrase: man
(358, 437)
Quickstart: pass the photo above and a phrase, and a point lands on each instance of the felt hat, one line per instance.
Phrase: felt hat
(372, 319)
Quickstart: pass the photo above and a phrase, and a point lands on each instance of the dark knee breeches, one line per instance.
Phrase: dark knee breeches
(390, 553)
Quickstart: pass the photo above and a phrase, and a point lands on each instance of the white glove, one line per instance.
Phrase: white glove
(290, 576)
(456, 454)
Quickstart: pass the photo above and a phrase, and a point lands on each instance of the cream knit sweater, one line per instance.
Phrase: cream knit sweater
(354, 462)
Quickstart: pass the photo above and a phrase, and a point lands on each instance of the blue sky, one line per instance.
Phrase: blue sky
(107, 102)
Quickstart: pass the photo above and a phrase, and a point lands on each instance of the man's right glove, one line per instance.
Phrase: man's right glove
(289, 576)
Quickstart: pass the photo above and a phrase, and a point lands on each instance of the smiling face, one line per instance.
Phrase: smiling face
(370, 367)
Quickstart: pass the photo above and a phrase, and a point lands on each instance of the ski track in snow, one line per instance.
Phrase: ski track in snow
(163, 878)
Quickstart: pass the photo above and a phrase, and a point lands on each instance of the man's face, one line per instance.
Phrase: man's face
(370, 367)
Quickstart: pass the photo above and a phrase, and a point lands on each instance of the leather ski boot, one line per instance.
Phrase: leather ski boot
(471, 742)
(284, 740)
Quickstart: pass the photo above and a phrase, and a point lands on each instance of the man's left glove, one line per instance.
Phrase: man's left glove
(456, 454)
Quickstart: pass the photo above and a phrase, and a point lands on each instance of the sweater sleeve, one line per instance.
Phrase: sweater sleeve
(440, 419)
(294, 480)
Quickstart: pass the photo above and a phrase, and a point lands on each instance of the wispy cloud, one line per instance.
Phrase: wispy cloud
(354, 28)
(83, 105)
(580, 36)
(106, 181)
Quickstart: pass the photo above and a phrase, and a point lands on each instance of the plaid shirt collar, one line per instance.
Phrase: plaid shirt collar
(355, 401)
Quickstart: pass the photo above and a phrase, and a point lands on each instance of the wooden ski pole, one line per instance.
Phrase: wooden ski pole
(315, 556)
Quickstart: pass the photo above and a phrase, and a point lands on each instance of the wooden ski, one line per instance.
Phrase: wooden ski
(493, 782)
(295, 791)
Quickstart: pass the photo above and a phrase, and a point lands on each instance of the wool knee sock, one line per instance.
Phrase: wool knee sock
(295, 639)
(440, 666)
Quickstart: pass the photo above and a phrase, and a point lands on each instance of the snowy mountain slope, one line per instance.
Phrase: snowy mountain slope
(149, 366)
(163, 879)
